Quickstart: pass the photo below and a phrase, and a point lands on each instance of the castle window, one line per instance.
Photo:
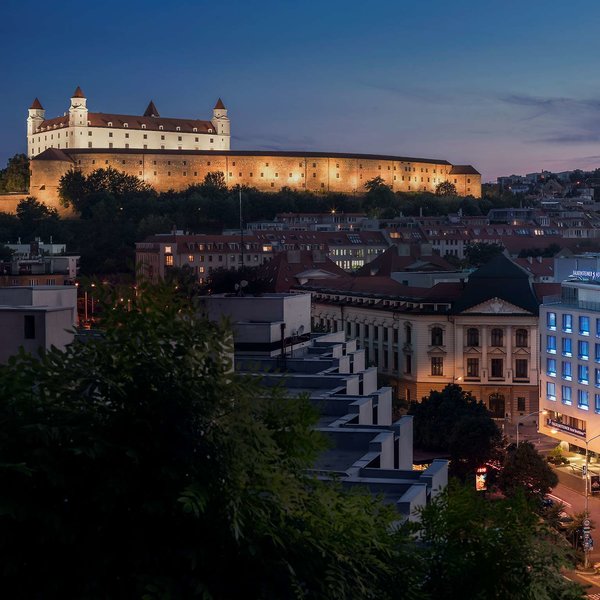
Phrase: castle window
(314, 165)
(262, 174)
(110, 144)
(266, 164)
(314, 174)
(123, 162)
(89, 133)
(162, 137)
(337, 166)
(110, 123)
(233, 163)
(145, 136)
(240, 174)
(208, 163)
(380, 167)
(276, 174)
(211, 140)
(185, 173)
(79, 162)
(162, 147)
(126, 145)
(250, 173)
(272, 185)
(210, 131)
(154, 172)
(89, 144)
(177, 128)
(230, 175)
(140, 162)
(300, 164)
(140, 172)
(360, 166)
(105, 162)
(143, 126)
(125, 125)
(394, 178)
(195, 139)
(169, 173)
(337, 175)
(389, 169)
(455, 181)
(468, 181)
(110, 134)
(322, 185)
(195, 129)
(179, 138)
(195, 173)
(153, 162)
(160, 127)
(168, 162)
(127, 135)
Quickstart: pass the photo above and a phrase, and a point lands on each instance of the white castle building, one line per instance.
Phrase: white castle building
(80, 128)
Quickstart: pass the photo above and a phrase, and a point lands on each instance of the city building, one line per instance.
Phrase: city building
(36, 318)
(273, 341)
(80, 128)
(570, 362)
(37, 263)
(481, 333)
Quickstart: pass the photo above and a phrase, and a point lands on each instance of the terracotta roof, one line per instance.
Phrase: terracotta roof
(220, 104)
(464, 170)
(136, 122)
(151, 111)
(546, 289)
(384, 286)
(538, 266)
(53, 154)
(390, 261)
(37, 104)
(78, 93)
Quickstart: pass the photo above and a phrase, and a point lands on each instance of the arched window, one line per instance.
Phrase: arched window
(177, 128)
(497, 337)
(472, 336)
(521, 338)
(109, 123)
(161, 127)
(143, 125)
(437, 336)
(125, 124)
(195, 130)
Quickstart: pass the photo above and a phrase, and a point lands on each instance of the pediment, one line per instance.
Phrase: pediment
(522, 352)
(496, 351)
(473, 350)
(496, 306)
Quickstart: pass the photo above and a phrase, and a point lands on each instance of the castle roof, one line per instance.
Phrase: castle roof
(464, 170)
(219, 104)
(151, 111)
(53, 154)
(37, 104)
(153, 123)
(78, 93)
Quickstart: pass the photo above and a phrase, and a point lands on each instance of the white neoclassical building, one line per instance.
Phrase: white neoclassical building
(80, 128)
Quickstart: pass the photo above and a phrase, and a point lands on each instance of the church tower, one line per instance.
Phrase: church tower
(220, 119)
(34, 120)
(78, 112)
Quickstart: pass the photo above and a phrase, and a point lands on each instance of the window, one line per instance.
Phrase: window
(437, 336)
(408, 334)
(550, 344)
(551, 390)
(190, 258)
(521, 403)
(473, 337)
(408, 363)
(472, 367)
(551, 320)
(597, 352)
(522, 368)
(551, 367)
(521, 338)
(583, 399)
(597, 377)
(597, 403)
(29, 327)
(497, 337)
(583, 349)
(567, 347)
(567, 373)
(584, 326)
(583, 374)
(169, 260)
(567, 323)
(497, 367)
(597, 327)
(437, 365)
(567, 394)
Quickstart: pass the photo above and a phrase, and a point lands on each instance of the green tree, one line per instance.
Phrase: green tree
(214, 181)
(453, 422)
(72, 189)
(380, 200)
(479, 253)
(477, 548)
(139, 464)
(445, 188)
(526, 470)
(15, 177)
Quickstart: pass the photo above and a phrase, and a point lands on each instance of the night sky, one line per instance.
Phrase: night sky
(506, 86)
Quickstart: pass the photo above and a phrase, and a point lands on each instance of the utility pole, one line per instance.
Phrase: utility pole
(241, 232)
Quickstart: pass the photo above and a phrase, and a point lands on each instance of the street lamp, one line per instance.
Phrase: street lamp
(537, 412)
(586, 549)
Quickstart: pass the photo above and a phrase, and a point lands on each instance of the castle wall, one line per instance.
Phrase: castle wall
(9, 202)
(45, 177)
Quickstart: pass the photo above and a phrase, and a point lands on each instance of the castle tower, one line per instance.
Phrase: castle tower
(78, 112)
(220, 119)
(36, 116)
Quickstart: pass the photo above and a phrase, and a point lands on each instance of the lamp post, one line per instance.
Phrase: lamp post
(586, 550)
(537, 412)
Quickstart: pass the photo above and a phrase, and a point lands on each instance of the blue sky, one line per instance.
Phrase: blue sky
(506, 86)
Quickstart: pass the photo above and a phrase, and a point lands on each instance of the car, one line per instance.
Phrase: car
(565, 520)
(547, 502)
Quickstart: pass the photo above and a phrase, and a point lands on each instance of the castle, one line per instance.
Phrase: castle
(171, 153)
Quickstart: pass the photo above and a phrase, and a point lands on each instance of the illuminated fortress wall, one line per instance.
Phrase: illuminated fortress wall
(267, 171)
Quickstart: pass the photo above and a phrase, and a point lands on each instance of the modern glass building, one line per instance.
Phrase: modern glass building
(570, 362)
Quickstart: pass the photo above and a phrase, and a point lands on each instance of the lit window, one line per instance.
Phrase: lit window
(437, 365)
(551, 390)
(551, 320)
(472, 367)
(584, 325)
(567, 323)
(567, 345)
(566, 370)
(583, 350)
(583, 373)
(551, 367)
(169, 260)
(583, 399)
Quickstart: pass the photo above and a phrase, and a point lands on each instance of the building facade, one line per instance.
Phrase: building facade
(81, 128)
(570, 374)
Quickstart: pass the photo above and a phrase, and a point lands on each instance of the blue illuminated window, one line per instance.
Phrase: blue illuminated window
(597, 327)
(583, 350)
(567, 347)
(551, 344)
(551, 367)
(597, 403)
(583, 374)
(567, 373)
(597, 377)
(551, 320)
(551, 390)
(597, 352)
(567, 323)
(566, 395)
(584, 325)
(583, 399)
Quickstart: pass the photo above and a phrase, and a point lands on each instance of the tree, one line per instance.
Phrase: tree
(72, 189)
(479, 253)
(445, 188)
(214, 181)
(30, 211)
(526, 470)
(15, 178)
(139, 464)
(477, 548)
(455, 423)
(380, 200)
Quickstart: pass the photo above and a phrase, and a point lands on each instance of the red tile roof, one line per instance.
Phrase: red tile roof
(391, 261)
(219, 104)
(151, 111)
(37, 104)
(78, 93)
